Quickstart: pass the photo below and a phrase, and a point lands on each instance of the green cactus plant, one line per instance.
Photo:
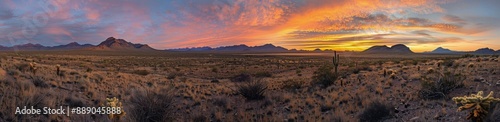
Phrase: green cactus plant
(479, 105)
(336, 58)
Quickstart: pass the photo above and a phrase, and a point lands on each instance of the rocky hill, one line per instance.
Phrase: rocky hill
(398, 48)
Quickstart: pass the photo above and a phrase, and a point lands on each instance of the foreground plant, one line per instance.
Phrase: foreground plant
(114, 102)
(324, 76)
(33, 67)
(479, 105)
(253, 90)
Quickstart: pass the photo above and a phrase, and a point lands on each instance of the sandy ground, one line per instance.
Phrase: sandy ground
(87, 80)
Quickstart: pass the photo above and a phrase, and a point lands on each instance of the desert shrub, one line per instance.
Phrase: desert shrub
(293, 84)
(173, 75)
(360, 68)
(467, 56)
(89, 69)
(200, 118)
(141, 72)
(263, 74)
(243, 77)
(149, 106)
(298, 71)
(19, 94)
(495, 112)
(220, 101)
(183, 79)
(23, 67)
(448, 63)
(214, 81)
(13, 72)
(413, 62)
(324, 76)
(355, 70)
(432, 88)
(253, 90)
(375, 112)
(73, 73)
(73, 101)
(39, 82)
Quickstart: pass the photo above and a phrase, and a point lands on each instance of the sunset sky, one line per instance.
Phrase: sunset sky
(423, 25)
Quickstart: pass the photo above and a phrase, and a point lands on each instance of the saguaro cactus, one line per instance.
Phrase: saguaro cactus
(336, 58)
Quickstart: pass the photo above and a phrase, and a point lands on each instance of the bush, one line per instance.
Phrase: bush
(173, 75)
(149, 106)
(200, 118)
(448, 63)
(293, 84)
(325, 76)
(263, 74)
(73, 101)
(440, 87)
(215, 70)
(39, 82)
(495, 112)
(19, 94)
(23, 67)
(253, 90)
(221, 102)
(141, 72)
(243, 77)
(467, 56)
(375, 112)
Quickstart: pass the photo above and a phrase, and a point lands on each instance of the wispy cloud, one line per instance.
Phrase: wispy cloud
(340, 24)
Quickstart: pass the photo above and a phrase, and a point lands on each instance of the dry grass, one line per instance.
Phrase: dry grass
(151, 106)
(182, 84)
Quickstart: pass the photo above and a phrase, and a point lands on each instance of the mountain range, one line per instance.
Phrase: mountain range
(114, 44)
(36, 47)
(441, 50)
(236, 48)
(109, 44)
(398, 48)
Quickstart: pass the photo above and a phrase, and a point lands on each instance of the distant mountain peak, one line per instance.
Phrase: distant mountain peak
(398, 45)
(485, 50)
(442, 50)
(112, 43)
(268, 45)
(237, 48)
(398, 48)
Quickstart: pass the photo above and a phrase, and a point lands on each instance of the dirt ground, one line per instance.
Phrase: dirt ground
(201, 88)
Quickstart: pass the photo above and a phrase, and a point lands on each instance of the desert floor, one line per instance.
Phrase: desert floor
(204, 86)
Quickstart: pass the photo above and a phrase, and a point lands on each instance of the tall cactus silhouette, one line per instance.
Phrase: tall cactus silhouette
(336, 58)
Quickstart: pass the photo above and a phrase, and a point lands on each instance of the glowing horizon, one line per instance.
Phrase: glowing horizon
(423, 25)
